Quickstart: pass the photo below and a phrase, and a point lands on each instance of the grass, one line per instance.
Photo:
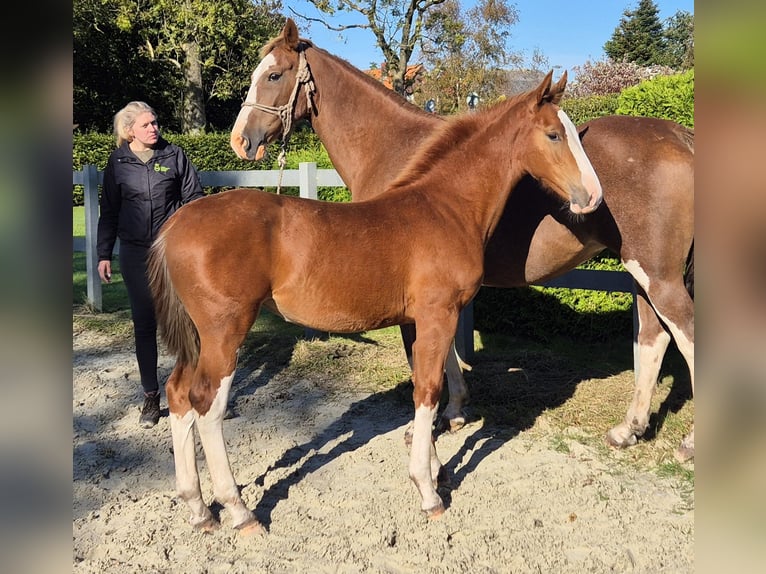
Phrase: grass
(563, 389)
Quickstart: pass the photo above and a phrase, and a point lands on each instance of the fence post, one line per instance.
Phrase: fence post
(307, 176)
(91, 224)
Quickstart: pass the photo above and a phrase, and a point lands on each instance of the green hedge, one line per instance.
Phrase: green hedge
(212, 152)
(667, 97)
(580, 110)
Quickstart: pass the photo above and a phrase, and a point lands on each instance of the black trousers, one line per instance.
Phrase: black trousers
(133, 269)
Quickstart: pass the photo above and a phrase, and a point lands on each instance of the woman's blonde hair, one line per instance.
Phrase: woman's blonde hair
(126, 117)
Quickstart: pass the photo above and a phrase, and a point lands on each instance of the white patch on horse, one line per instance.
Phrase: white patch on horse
(587, 174)
(260, 70)
(634, 268)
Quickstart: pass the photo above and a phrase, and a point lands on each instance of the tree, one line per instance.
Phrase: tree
(399, 27)
(679, 36)
(467, 52)
(639, 38)
(204, 50)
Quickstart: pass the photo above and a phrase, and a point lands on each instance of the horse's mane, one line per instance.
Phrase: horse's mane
(304, 44)
(442, 140)
(266, 49)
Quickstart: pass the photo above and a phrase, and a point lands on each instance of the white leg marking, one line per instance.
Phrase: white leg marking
(210, 428)
(421, 458)
(187, 475)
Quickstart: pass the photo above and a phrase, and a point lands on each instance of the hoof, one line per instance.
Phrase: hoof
(435, 512)
(207, 526)
(620, 442)
(456, 424)
(251, 528)
(685, 452)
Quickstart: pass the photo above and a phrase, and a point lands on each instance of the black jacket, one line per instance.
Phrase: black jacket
(137, 197)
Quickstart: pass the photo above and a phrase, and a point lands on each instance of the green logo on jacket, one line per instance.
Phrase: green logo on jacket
(162, 168)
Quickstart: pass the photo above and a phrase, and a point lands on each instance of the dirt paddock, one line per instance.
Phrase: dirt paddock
(324, 467)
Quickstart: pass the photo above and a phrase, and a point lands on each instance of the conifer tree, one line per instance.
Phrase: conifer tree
(640, 37)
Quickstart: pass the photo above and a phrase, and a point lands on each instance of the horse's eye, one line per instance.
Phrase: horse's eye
(274, 76)
(554, 137)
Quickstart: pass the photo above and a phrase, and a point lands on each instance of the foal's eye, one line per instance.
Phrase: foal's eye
(274, 76)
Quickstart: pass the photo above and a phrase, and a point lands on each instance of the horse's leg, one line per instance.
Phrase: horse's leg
(429, 355)
(670, 303)
(675, 307)
(181, 427)
(453, 416)
(209, 397)
(650, 349)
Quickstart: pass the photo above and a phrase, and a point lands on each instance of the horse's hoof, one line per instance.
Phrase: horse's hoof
(456, 424)
(208, 525)
(685, 452)
(435, 512)
(251, 528)
(613, 439)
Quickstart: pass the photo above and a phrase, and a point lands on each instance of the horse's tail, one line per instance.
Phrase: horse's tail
(689, 272)
(176, 327)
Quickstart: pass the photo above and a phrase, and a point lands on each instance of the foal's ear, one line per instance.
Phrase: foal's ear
(290, 34)
(548, 92)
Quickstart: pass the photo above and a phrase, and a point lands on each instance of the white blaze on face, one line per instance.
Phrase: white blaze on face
(588, 175)
(252, 95)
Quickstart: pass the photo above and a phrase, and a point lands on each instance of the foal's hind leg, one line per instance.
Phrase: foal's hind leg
(209, 396)
(182, 429)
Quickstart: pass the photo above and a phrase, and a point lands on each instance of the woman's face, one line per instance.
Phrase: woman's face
(145, 131)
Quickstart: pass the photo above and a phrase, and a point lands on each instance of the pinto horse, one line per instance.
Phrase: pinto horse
(645, 165)
(219, 259)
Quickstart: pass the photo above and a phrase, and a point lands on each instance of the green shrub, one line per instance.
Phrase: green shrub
(667, 97)
(545, 313)
(580, 110)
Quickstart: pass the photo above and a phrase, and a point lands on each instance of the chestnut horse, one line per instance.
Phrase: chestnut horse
(646, 168)
(414, 254)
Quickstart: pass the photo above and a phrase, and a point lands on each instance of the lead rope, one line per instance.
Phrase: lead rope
(285, 112)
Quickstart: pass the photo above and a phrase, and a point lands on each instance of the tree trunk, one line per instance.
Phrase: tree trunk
(194, 118)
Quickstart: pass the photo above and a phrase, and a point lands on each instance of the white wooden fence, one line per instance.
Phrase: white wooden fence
(307, 177)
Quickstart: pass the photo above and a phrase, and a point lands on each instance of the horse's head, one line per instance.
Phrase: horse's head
(555, 156)
(275, 100)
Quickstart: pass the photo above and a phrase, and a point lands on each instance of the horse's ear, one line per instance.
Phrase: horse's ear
(557, 89)
(541, 93)
(290, 34)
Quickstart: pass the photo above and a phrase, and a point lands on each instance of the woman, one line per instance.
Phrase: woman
(146, 179)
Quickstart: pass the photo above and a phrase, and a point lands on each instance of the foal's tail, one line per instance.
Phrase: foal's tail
(689, 272)
(176, 327)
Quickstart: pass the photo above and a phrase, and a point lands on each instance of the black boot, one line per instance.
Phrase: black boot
(150, 414)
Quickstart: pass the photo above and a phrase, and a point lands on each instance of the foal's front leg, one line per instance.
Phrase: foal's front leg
(430, 353)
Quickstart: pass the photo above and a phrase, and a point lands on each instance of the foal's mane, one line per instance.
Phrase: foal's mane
(454, 130)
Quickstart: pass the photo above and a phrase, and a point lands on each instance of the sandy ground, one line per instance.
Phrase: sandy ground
(325, 471)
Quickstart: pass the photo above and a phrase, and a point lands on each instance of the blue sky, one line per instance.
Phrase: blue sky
(568, 32)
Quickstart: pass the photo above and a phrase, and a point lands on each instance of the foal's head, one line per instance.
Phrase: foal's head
(554, 154)
(279, 95)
